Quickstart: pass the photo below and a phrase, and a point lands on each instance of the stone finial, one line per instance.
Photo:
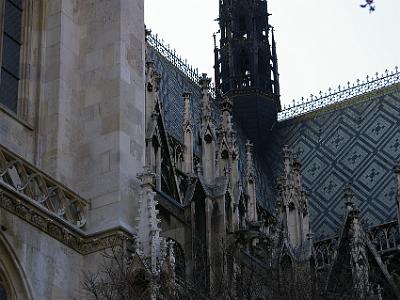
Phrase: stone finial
(296, 165)
(147, 177)
(249, 158)
(187, 116)
(153, 78)
(397, 172)
(279, 183)
(204, 83)
(205, 100)
(226, 105)
(286, 151)
(348, 200)
(348, 196)
(187, 135)
(397, 168)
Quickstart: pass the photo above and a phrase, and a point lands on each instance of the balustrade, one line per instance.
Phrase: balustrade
(21, 177)
(340, 94)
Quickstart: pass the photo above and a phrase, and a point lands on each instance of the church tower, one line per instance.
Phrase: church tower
(246, 66)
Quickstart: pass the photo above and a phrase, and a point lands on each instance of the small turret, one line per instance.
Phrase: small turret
(208, 137)
(228, 162)
(293, 202)
(187, 127)
(152, 138)
(250, 184)
(358, 249)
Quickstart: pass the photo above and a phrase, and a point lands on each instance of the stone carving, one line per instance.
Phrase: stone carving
(35, 186)
(59, 229)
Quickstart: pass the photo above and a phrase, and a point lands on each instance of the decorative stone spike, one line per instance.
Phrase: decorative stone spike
(348, 198)
(397, 173)
(294, 201)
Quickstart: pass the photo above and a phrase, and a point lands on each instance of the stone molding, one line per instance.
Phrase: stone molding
(20, 176)
(58, 229)
(25, 192)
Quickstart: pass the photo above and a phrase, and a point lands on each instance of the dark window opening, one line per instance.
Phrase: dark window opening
(10, 60)
(242, 24)
(225, 154)
(208, 138)
(244, 63)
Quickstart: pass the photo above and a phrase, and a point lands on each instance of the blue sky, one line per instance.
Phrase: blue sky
(321, 43)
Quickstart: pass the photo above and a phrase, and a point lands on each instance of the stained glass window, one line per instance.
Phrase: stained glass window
(10, 58)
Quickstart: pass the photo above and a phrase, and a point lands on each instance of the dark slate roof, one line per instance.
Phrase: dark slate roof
(173, 84)
(356, 141)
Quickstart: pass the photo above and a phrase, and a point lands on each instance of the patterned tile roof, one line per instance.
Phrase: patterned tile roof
(357, 141)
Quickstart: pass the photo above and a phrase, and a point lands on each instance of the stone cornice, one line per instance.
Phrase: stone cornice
(52, 225)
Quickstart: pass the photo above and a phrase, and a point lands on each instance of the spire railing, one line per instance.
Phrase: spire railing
(340, 94)
(170, 54)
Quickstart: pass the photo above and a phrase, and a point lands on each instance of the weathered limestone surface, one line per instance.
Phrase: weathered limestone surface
(84, 123)
(17, 131)
(49, 269)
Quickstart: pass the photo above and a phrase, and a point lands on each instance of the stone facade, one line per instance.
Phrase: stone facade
(116, 142)
(80, 119)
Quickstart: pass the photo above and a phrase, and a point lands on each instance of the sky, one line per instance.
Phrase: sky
(320, 43)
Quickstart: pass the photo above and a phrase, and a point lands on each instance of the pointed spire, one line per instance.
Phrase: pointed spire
(187, 135)
(348, 198)
(149, 239)
(226, 109)
(187, 113)
(207, 132)
(287, 160)
(216, 68)
(397, 173)
(358, 250)
(153, 78)
(275, 68)
(251, 184)
(205, 100)
(293, 210)
(249, 160)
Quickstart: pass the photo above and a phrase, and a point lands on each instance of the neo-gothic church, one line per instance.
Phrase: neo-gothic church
(108, 139)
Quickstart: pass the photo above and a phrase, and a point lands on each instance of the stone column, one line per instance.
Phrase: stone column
(92, 117)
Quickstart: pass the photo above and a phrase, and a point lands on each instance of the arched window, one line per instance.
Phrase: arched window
(11, 42)
(393, 237)
(380, 240)
(286, 270)
(244, 63)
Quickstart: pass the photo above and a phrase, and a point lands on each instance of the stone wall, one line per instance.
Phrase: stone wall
(47, 268)
(82, 120)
